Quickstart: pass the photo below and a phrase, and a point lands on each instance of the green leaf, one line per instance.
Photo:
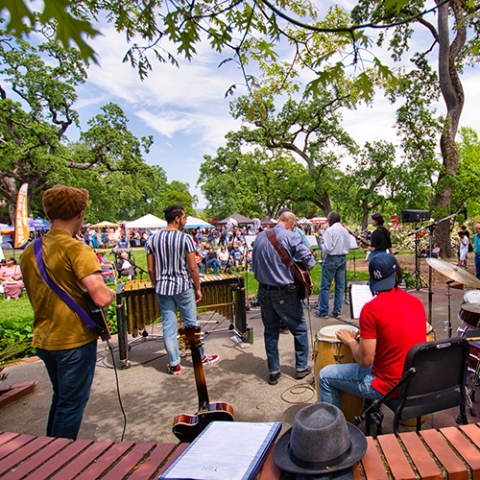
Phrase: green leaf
(17, 12)
(68, 27)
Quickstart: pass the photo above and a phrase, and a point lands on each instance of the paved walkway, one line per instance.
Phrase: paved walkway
(151, 398)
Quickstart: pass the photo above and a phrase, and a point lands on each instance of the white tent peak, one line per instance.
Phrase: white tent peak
(147, 221)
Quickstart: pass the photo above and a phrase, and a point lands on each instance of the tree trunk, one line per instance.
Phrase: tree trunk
(452, 92)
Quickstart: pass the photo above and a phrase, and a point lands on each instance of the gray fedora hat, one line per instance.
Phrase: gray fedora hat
(320, 442)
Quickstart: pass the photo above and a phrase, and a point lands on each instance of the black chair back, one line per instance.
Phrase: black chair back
(438, 382)
(439, 365)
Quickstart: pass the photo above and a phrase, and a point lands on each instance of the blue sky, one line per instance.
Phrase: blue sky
(186, 111)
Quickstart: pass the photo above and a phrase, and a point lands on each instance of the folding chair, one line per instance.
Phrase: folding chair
(434, 378)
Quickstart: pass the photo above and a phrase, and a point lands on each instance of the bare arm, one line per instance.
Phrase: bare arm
(363, 349)
(192, 266)
(151, 269)
(102, 296)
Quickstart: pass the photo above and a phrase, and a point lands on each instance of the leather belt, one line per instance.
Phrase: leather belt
(280, 288)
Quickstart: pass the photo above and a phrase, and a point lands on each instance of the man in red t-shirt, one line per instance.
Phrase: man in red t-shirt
(390, 324)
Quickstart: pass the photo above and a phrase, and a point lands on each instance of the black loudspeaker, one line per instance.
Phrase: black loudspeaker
(412, 216)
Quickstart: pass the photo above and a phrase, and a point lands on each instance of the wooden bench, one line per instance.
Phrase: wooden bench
(451, 452)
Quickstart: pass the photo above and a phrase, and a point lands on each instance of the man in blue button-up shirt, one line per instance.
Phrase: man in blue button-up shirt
(277, 294)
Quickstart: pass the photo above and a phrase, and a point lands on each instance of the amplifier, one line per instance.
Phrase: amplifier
(411, 216)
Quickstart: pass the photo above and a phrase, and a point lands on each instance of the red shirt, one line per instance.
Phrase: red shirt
(397, 321)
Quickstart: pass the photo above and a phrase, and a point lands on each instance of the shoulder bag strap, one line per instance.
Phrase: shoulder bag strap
(71, 303)
(283, 256)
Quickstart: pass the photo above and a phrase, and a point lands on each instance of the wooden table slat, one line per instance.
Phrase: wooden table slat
(395, 457)
(15, 444)
(175, 454)
(455, 468)
(6, 437)
(23, 453)
(472, 431)
(45, 453)
(83, 460)
(424, 463)
(106, 461)
(270, 471)
(127, 463)
(153, 463)
(469, 452)
(373, 465)
(58, 461)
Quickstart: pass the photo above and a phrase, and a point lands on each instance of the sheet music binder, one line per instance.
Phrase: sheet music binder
(359, 294)
(233, 450)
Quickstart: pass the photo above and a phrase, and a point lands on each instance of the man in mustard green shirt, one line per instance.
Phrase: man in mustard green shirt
(67, 346)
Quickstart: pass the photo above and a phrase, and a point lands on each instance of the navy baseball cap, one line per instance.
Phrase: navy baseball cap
(383, 268)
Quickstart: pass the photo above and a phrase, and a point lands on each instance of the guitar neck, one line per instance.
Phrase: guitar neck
(360, 239)
(200, 379)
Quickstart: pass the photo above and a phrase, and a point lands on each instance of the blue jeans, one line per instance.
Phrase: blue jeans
(477, 266)
(347, 377)
(215, 263)
(185, 302)
(334, 267)
(277, 306)
(71, 373)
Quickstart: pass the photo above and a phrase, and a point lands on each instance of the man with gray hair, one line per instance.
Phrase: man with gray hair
(336, 243)
(277, 294)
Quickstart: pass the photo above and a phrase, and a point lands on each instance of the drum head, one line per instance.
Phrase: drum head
(470, 307)
(472, 296)
(329, 333)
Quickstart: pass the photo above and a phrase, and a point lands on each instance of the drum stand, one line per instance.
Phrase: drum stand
(448, 323)
(473, 336)
(419, 281)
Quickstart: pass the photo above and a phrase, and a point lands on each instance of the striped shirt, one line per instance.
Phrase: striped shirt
(169, 248)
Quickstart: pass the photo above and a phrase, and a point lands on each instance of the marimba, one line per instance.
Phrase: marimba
(137, 306)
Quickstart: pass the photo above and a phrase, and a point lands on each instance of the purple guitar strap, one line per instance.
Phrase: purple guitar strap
(71, 303)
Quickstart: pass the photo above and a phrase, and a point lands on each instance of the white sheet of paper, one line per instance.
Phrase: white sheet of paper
(225, 450)
(359, 296)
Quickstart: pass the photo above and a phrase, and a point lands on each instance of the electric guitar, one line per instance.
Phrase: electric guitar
(98, 316)
(187, 427)
(302, 280)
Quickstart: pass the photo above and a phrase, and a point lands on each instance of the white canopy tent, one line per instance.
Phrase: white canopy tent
(193, 222)
(147, 221)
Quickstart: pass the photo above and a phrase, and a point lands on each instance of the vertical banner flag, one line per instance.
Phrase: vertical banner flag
(21, 218)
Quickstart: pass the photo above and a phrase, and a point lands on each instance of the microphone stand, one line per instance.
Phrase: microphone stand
(431, 228)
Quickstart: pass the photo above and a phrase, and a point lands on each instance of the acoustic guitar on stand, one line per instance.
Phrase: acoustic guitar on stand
(187, 427)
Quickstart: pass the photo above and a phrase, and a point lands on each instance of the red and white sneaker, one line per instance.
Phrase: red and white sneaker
(174, 370)
(210, 359)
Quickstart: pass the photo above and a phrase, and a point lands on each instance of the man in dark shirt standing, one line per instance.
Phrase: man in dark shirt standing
(277, 294)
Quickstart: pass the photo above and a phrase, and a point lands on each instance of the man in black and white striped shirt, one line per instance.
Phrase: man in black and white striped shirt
(172, 269)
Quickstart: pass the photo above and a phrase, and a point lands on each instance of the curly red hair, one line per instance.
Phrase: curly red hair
(64, 203)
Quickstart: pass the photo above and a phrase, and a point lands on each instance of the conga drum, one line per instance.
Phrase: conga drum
(330, 350)
(430, 333)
